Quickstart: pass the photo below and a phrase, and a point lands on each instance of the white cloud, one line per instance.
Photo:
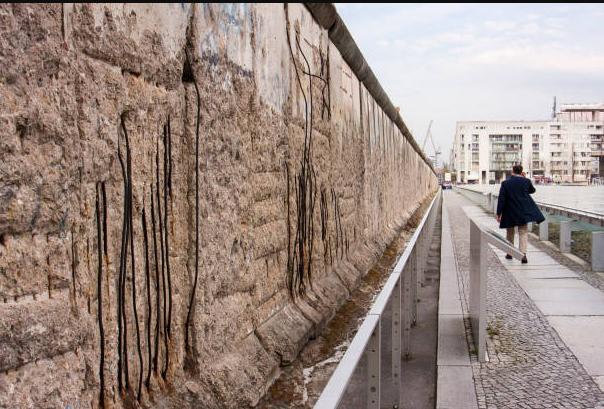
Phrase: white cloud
(499, 25)
(556, 22)
(530, 28)
(535, 29)
(453, 37)
(544, 59)
(382, 44)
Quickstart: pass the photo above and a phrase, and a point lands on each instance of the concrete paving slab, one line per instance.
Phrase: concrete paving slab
(570, 307)
(449, 306)
(520, 267)
(534, 257)
(529, 250)
(452, 344)
(449, 301)
(539, 261)
(546, 274)
(538, 287)
(455, 382)
(585, 337)
(455, 388)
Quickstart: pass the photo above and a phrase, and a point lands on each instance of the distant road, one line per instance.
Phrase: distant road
(589, 198)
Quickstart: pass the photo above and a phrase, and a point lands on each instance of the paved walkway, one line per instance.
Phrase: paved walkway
(545, 328)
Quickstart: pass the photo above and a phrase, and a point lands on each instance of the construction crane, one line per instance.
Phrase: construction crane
(437, 151)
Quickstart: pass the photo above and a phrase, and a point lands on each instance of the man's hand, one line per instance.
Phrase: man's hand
(498, 219)
(523, 174)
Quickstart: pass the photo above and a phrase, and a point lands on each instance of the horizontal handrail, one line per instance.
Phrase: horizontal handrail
(594, 218)
(379, 305)
(570, 209)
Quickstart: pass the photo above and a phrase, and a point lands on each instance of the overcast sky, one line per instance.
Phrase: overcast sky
(464, 62)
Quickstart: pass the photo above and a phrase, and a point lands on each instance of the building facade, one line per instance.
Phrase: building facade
(567, 148)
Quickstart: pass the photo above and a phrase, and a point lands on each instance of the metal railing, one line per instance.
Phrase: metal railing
(489, 202)
(400, 293)
(479, 238)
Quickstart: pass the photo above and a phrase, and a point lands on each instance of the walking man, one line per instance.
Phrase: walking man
(515, 208)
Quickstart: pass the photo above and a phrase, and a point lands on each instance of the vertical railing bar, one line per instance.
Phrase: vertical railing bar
(407, 311)
(373, 352)
(415, 257)
(396, 342)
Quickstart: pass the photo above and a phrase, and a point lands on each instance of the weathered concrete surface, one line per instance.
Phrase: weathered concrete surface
(69, 75)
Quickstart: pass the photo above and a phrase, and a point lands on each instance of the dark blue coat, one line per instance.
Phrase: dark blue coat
(515, 205)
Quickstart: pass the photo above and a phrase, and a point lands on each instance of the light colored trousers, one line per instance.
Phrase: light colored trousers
(522, 236)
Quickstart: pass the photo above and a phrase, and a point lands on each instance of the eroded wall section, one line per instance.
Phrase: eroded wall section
(187, 193)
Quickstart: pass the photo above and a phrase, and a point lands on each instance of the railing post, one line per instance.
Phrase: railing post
(543, 230)
(565, 236)
(423, 257)
(416, 256)
(397, 342)
(478, 287)
(597, 251)
(408, 305)
(373, 368)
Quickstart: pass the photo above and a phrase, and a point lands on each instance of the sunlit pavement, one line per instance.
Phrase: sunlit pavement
(545, 326)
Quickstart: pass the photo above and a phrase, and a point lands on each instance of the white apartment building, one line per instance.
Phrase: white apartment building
(565, 149)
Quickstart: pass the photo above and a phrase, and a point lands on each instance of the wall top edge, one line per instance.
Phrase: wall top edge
(327, 17)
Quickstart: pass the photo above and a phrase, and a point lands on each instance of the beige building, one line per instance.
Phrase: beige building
(567, 148)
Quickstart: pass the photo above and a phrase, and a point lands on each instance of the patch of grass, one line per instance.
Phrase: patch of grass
(554, 232)
(581, 244)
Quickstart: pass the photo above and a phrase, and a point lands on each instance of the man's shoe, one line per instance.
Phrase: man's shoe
(508, 256)
(524, 260)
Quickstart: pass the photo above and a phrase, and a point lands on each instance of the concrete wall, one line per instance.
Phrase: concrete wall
(283, 236)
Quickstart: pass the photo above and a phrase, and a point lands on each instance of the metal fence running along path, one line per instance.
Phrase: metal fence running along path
(488, 201)
(400, 293)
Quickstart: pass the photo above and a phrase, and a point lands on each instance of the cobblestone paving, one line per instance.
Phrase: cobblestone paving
(530, 366)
